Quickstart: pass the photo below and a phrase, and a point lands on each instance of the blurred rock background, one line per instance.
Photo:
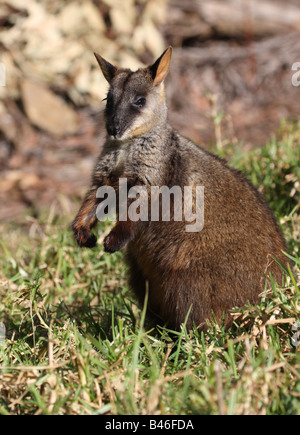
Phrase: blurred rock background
(230, 82)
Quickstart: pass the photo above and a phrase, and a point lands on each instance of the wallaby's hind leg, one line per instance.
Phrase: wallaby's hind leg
(138, 284)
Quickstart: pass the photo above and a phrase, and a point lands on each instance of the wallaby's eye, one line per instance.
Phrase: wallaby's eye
(140, 102)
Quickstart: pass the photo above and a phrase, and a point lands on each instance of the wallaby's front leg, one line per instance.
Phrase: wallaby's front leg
(123, 231)
(119, 236)
(86, 219)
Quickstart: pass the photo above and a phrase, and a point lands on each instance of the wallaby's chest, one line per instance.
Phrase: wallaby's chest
(133, 160)
(122, 159)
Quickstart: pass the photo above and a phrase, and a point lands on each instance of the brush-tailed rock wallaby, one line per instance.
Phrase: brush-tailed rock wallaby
(226, 262)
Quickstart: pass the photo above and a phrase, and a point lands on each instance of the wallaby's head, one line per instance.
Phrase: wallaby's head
(135, 100)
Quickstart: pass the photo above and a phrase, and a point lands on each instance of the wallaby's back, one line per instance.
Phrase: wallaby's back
(224, 265)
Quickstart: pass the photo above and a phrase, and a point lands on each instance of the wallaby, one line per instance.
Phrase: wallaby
(204, 273)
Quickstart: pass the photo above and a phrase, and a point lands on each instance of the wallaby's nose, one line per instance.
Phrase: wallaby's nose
(117, 129)
(114, 129)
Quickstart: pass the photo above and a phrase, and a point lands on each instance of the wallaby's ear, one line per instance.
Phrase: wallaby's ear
(160, 68)
(107, 68)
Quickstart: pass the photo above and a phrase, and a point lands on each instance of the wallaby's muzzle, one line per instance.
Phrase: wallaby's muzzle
(113, 128)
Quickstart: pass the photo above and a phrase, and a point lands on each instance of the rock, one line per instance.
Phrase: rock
(48, 111)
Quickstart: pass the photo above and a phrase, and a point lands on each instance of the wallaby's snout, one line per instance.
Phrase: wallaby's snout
(121, 112)
(115, 130)
(113, 127)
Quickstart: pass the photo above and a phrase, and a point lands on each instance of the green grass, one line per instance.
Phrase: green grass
(77, 343)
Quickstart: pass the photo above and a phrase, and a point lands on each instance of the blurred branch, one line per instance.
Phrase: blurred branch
(231, 18)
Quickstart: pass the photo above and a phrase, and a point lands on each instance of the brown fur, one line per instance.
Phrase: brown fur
(224, 265)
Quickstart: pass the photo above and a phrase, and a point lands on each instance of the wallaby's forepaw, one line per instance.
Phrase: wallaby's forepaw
(85, 238)
(112, 243)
